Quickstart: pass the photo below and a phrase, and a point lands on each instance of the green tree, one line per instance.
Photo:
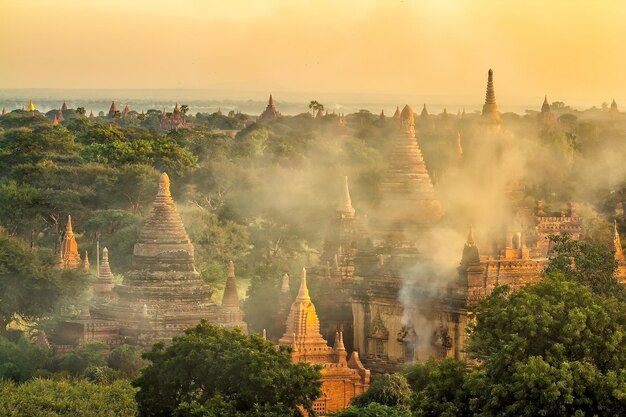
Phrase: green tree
(373, 410)
(210, 364)
(389, 389)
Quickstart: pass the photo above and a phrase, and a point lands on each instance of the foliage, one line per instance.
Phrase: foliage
(389, 389)
(373, 410)
(210, 365)
(66, 398)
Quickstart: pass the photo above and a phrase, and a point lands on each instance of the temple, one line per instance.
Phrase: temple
(342, 378)
(69, 258)
(112, 110)
(613, 109)
(270, 113)
(490, 108)
(64, 106)
(173, 120)
(159, 298)
(546, 115)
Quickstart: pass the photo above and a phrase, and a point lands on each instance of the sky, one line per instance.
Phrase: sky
(569, 50)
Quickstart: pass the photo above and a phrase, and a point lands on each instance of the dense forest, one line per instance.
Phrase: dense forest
(262, 195)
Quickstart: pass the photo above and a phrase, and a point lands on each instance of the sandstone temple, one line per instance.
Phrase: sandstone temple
(160, 297)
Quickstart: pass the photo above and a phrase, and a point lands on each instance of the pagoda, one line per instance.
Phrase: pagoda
(163, 294)
(231, 314)
(490, 108)
(613, 109)
(546, 115)
(270, 112)
(31, 106)
(112, 110)
(69, 257)
(342, 379)
(64, 106)
(396, 114)
(104, 284)
(408, 196)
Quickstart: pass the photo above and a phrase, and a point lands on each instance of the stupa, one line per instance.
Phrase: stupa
(490, 108)
(230, 314)
(163, 294)
(270, 112)
(68, 254)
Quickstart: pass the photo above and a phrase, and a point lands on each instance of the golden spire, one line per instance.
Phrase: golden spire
(490, 108)
(70, 258)
(68, 226)
(545, 107)
(230, 298)
(346, 204)
(31, 106)
(55, 122)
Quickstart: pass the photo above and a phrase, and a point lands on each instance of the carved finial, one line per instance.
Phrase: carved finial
(164, 185)
(303, 293)
(341, 346)
(68, 226)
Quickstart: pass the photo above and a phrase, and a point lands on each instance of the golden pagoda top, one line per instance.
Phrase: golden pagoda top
(69, 256)
(31, 106)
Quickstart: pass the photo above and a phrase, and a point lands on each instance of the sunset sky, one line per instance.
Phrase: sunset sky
(566, 49)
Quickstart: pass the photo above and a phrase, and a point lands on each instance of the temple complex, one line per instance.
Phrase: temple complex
(342, 378)
(173, 120)
(270, 112)
(490, 108)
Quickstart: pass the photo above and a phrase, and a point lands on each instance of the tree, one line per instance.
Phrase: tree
(555, 348)
(216, 370)
(316, 106)
(373, 410)
(81, 111)
(389, 389)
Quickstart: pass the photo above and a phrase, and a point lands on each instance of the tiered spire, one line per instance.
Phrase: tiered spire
(396, 115)
(424, 114)
(230, 298)
(408, 196)
(613, 108)
(64, 106)
(303, 328)
(60, 115)
(69, 248)
(346, 202)
(31, 106)
(112, 109)
(270, 111)
(490, 108)
(126, 111)
(104, 284)
(545, 107)
(470, 250)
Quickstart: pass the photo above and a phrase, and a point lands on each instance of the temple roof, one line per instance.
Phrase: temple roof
(112, 109)
(270, 111)
(60, 115)
(408, 195)
(424, 112)
(31, 106)
(64, 106)
(545, 107)
(396, 115)
(303, 326)
(230, 298)
(490, 108)
(69, 248)
(346, 208)
(105, 274)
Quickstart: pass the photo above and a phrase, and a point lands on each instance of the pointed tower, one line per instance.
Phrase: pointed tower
(64, 106)
(613, 109)
(471, 285)
(424, 114)
(86, 264)
(31, 106)
(126, 111)
(230, 298)
(55, 121)
(408, 197)
(112, 110)
(490, 108)
(91, 116)
(60, 115)
(346, 210)
(303, 329)
(396, 114)
(163, 277)
(270, 112)
(545, 107)
(284, 285)
(381, 117)
(105, 282)
(231, 314)
(69, 249)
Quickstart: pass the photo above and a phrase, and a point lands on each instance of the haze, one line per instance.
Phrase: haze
(566, 49)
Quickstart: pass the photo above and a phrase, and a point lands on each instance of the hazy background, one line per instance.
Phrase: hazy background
(359, 51)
